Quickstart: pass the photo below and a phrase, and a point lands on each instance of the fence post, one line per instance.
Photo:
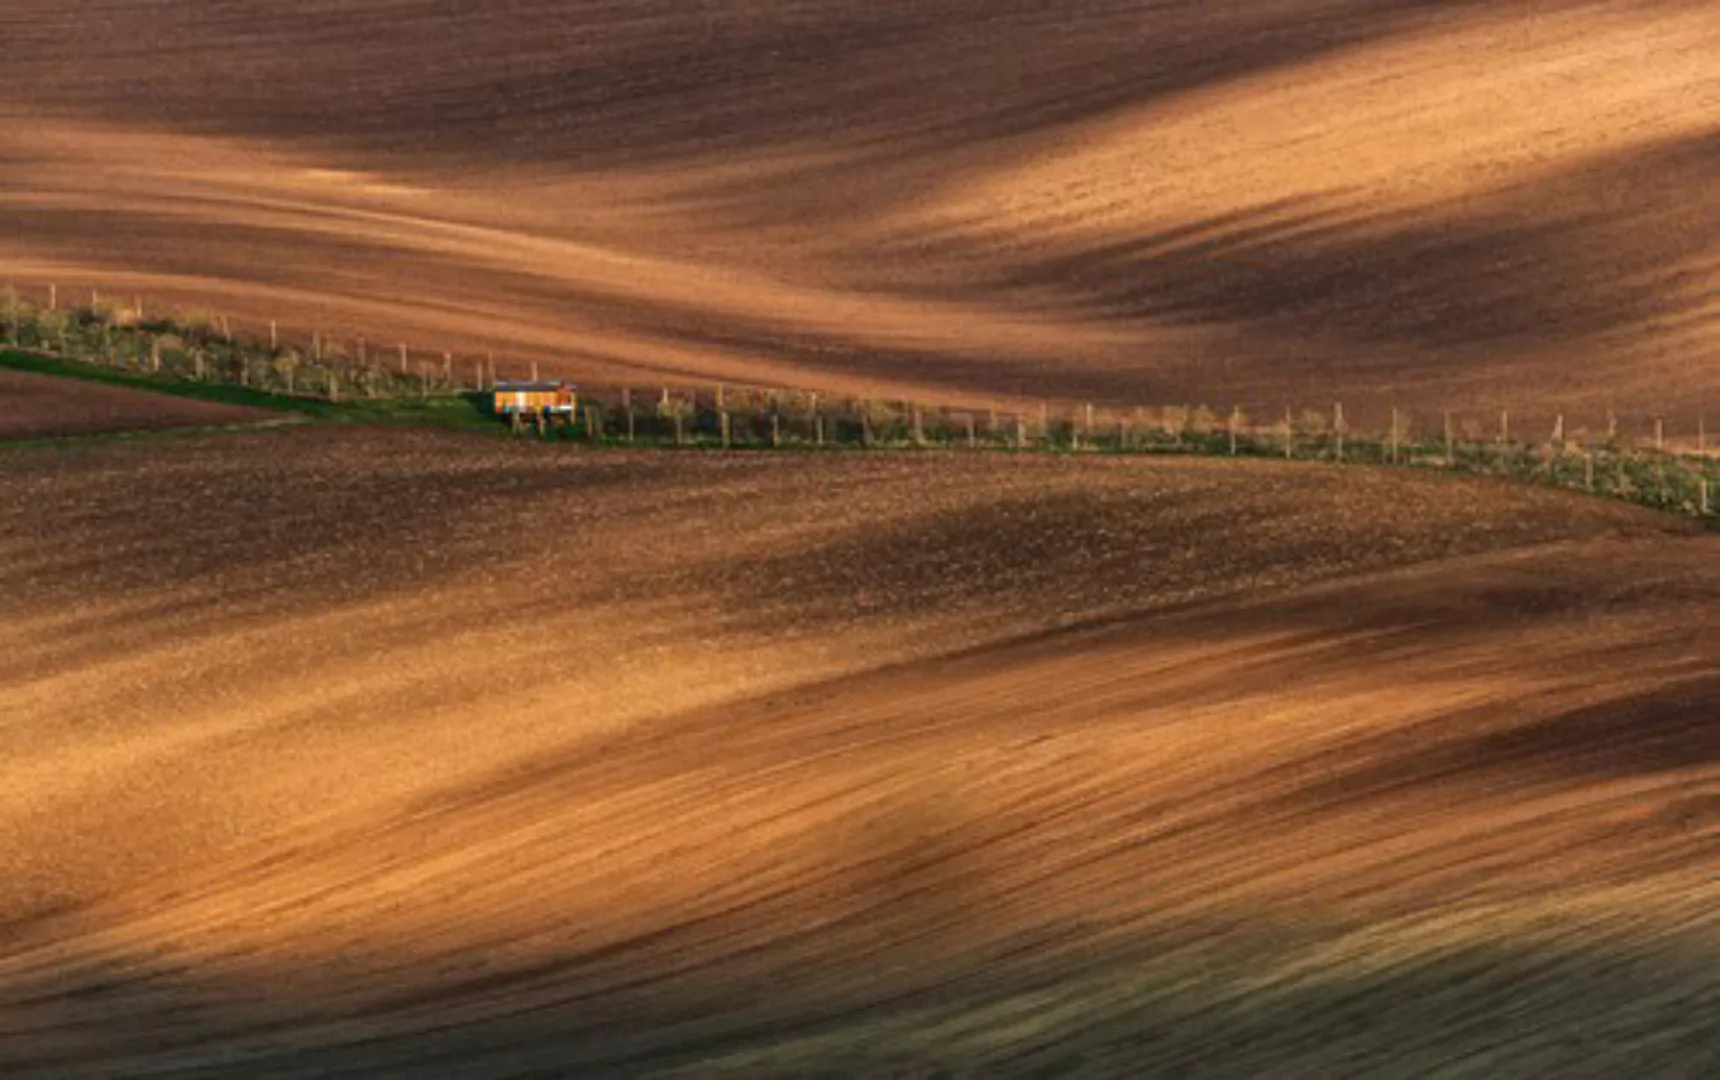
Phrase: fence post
(627, 409)
(972, 434)
(1702, 495)
(1659, 435)
(1588, 468)
(919, 428)
(53, 297)
(1450, 448)
(1338, 429)
(817, 421)
(1289, 435)
(316, 345)
(448, 370)
(534, 371)
(1559, 432)
(1394, 436)
(723, 418)
(274, 336)
(1020, 433)
(333, 386)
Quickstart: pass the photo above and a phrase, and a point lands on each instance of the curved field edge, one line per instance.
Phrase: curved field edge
(39, 405)
(241, 402)
(1678, 477)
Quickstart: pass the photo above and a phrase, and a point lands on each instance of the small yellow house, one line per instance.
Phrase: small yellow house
(533, 400)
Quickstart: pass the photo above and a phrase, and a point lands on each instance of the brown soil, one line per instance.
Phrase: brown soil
(344, 752)
(337, 750)
(40, 406)
(1459, 204)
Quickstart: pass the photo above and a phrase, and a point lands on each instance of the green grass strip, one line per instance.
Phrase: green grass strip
(457, 412)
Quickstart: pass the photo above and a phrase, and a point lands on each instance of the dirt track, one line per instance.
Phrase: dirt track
(645, 762)
(1463, 204)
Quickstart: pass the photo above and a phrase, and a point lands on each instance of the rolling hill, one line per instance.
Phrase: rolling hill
(1287, 200)
(758, 764)
(345, 750)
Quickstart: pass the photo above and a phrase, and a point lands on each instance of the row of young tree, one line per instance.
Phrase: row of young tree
(1641, 465)
(202, 346)
(764, 417)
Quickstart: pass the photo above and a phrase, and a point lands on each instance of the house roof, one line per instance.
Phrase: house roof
(541, 386)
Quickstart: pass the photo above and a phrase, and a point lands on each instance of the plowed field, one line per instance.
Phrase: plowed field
(36, 406)
(1458, 204)
(330, 750)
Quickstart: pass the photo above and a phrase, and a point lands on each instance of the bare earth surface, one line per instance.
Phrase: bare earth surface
(1280, 202)
(40, 406)
(333, 750)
